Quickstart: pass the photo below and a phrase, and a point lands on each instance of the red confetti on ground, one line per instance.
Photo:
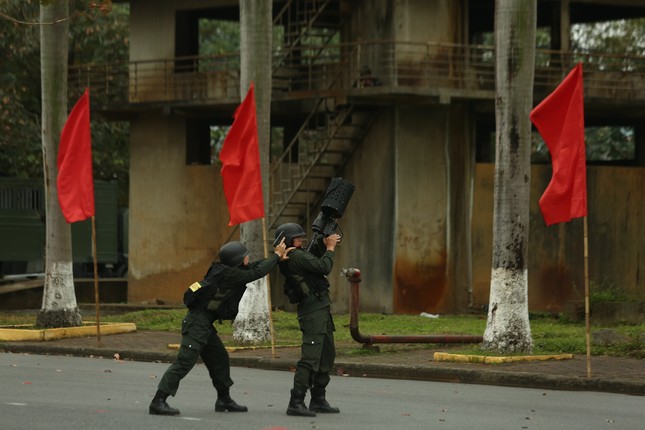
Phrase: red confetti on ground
(26, 383)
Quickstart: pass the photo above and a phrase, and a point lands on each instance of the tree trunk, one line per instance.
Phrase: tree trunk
(508, 328)
(59, 308)
(252, 322)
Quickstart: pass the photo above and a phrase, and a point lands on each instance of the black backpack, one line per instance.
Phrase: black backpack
(225, 304)
(206, 295)
(199, 294)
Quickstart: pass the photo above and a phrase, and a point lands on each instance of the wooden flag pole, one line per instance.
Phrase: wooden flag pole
(588, 331)
(266, 254)
(96, 282)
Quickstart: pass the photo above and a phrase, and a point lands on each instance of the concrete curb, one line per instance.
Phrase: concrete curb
(16, 334)
(425, 373)
(486, 359)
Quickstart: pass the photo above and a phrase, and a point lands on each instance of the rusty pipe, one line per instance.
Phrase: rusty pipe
(354, 278)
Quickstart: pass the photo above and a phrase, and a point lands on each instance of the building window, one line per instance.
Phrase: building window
(613, 145)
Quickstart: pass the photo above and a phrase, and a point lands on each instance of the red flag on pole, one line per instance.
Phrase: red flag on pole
(75, 182)
(241, 173)
(560, 120)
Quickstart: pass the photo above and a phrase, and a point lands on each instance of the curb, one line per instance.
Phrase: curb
(237, 348)
(418, 373)
(16, 334)
(486, 359)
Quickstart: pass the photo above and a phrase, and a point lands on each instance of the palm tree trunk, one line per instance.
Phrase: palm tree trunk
(508, 328)
(59, 308)
(252, 322)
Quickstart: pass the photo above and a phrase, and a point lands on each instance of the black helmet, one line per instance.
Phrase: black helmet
(233, 253)
(289, 231)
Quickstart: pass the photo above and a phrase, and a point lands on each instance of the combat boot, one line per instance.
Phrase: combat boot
(297, 405)
(318, 402)
(158, 406)
(225, 403)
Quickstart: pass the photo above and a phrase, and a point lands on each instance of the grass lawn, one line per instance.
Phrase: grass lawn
(550, 335)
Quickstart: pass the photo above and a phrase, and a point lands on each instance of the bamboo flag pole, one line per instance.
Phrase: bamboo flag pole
(266, 254)
(96, 282)
(586, 268)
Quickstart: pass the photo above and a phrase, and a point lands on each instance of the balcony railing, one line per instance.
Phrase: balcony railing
(401, 68)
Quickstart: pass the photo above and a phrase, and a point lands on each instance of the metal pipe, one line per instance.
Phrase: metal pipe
(354, 278)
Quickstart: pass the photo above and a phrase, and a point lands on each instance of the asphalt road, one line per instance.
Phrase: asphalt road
(52, 392)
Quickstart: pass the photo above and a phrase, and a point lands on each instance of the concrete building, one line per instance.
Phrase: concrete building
(398, 98)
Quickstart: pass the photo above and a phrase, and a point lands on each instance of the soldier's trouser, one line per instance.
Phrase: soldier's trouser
(214, 356)
(318, 351)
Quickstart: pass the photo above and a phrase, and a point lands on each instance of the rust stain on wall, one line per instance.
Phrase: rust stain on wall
(167, 287)
(419, 287)
(555, 288)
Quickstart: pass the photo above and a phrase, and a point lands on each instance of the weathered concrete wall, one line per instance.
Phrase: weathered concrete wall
(152, 25)
(177, 213)
(367, 229)
(396, 227)
(406, 21)
(371, 20)
(460, 154)
(367, 223)
(420, 258)
(412, 24)
(556, 253)
(426, 20)
(405, 226)
(178, 216)
(152, 30)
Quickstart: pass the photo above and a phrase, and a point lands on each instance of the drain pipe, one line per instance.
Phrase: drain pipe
(354, 278)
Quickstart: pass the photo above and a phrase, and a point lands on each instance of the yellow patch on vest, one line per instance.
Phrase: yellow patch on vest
(196, 286)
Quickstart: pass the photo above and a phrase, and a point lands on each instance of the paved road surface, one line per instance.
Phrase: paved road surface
(50, 392)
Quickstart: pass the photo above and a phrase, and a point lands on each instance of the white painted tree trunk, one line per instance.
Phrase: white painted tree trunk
(507, 328)
(256, 31)
(250, 325)
(59, 308)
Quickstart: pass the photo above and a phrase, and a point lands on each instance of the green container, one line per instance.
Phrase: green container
(22, 223)
(107, 228)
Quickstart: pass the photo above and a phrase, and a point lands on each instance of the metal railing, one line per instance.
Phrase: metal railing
(425, 69)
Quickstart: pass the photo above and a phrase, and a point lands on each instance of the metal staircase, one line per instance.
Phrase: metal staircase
(308, 27)
(306, 22)
(329, 135)
(317, 153)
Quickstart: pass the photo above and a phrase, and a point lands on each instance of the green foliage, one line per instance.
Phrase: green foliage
(20, 147)
(98, 34)
(606, 292)
(218, 37)
(624, 37)
(610, 143)
(99, 37)
(602, 144)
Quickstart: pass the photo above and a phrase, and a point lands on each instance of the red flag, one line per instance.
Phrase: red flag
(75, 182)
(560, 120)
(240, 158)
